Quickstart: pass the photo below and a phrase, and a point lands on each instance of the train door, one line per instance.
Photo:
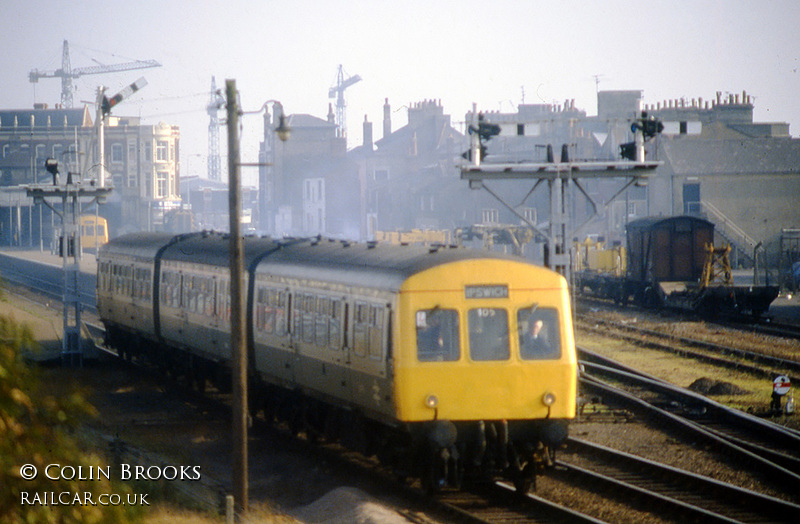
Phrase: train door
(330, 342)
(682, 252)
(272, 332)
(369, 371)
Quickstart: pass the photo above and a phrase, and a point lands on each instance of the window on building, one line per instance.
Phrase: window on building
(58, 149)
(162, 151)
(161, 184)
(530, 214)
(148, 152)
(490, 216)
(117, 153)
(131, 152)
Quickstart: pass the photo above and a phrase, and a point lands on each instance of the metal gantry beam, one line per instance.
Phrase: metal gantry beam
(559, 177)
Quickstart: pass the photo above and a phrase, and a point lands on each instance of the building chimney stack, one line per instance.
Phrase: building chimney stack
(387, 119)
(367, 134)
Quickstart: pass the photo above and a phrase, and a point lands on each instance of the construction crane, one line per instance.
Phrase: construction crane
(337, 92)
(66, 73)
(215, 103)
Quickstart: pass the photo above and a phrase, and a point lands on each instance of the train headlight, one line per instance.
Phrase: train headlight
(432, 401)
(548, 399)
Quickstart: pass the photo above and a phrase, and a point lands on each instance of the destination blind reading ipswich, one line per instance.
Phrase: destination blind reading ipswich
(486, 291)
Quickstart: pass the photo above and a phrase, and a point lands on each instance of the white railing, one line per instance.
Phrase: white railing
(727, 227)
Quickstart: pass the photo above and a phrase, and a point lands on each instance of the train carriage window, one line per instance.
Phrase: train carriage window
(297, 316)
(488, 334)
(147, 283)
(201, 295)
(437, 335)
(360, 329)
(165, 288)
(539, 335)
(191, 294)
(334, 324)
(223, 303)
(309, 312)
(279, 307)
(375, 332)
(128, 273)
(323, 314)
(209, 293)
(261, 310)
(175, 298)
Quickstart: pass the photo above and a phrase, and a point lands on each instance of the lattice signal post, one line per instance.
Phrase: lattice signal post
(559, 177)
(71, 194)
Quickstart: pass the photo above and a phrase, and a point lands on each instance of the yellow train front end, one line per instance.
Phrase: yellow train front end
(485, 368)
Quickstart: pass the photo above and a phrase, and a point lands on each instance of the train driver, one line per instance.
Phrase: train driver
(537, 340)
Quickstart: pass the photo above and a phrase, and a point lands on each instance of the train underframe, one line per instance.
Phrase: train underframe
(441, 453)
(709, 302)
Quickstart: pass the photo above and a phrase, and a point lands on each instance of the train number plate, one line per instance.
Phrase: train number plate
(486, 291)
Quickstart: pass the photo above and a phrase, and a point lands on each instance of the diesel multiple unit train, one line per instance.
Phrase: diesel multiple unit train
(446, 363)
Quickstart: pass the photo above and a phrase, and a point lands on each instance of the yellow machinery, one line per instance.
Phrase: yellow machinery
(415, 236)
(717, 267)
(594, 256)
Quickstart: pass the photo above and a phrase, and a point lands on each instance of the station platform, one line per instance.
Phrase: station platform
(87, 262)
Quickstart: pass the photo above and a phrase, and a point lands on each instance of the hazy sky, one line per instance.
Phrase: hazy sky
(489, 52)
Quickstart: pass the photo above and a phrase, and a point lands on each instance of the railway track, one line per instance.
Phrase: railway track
(754, 362)
(764, 326)
(772, 449)
(678, 494)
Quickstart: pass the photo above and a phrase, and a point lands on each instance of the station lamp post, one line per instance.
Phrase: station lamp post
(238, 320)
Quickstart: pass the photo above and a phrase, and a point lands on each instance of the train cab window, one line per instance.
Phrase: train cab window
(488, 334)
(539, 336)
(437, 335)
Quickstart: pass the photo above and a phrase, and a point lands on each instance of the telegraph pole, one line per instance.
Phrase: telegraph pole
(238, 350)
